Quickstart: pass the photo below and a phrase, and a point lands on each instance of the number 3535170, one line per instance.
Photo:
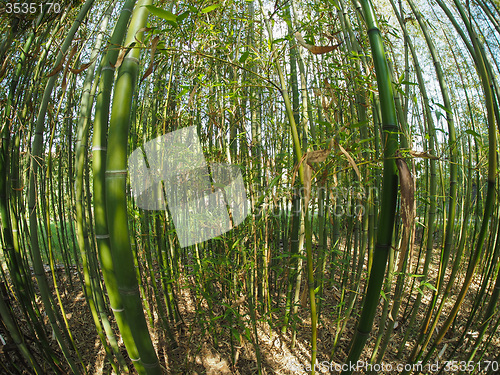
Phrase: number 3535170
(25, 8)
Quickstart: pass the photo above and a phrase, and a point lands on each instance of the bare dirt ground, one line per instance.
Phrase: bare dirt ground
(196, 352)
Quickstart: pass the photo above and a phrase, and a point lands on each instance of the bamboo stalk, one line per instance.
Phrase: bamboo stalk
(389, 188)
(36, 154)
(146, 360)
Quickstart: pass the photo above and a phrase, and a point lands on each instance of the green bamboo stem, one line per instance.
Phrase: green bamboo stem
(145, 360)
(389, 188)
(9, 321)
(297, 238)
(307, 223)
(9, 181)
(93, 292)
(476, 255)
(432, 182)
(452, 195)
(36, 158)
(46, 222)
(99, 156)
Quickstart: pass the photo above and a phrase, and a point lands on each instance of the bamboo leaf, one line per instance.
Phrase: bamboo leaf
(164, 14)
(210, 8)
(279, 40)
(244, 57)
(409, 83)
(443, 108)
(428, 285)
(473, 133)
(181, 17)
(382, 293)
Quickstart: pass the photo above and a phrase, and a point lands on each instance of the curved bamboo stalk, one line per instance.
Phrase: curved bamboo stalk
(492, 179)
(36, 160)
(10, 236)
(116, 196)
(389, 188)
(98, 164)
(92, 291)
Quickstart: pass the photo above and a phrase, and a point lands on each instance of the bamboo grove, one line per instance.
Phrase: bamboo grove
(365, 132)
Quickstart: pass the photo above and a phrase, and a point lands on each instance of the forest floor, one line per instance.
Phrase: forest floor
(196, 352)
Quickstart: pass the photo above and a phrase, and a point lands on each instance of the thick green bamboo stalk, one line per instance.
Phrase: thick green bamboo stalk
(403, 262)
(389, 188)
(116, 196)
(93, 292)
(481, 66)
(98, 164)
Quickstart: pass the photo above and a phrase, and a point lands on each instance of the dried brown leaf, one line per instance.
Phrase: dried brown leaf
(238, 302)
(144, 29)
(317, 156)
(73, 52)
(6, 61)
(121, 56)
(424, 155)
(57, 69)
(350, 160)
(149, 70)
(406, 186)
(303, 297)
(81, 68)
(296, 168)
(317, 50)
(300, 39)
(64, 83)
(407, 193)
(191, 96)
